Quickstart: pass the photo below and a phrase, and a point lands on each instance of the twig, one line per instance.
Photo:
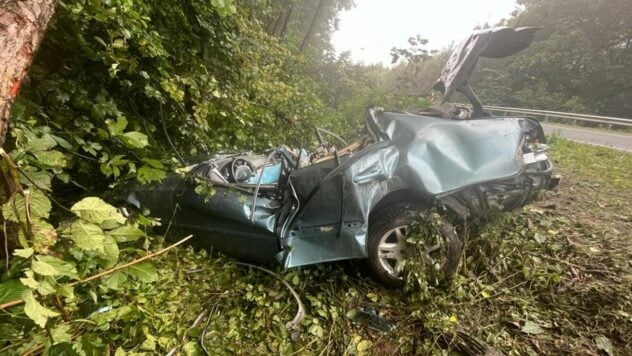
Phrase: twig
(6, 244)
(60, 306)
(110, 271)
(49, 196)
(138, 260)
(164, 129)
(300, 313)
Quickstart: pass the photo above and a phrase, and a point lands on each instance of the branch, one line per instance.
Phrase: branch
(110, 271)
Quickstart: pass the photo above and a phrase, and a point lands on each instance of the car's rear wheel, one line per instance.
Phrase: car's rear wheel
(388, 231)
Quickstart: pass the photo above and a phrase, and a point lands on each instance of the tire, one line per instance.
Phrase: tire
(399, 216)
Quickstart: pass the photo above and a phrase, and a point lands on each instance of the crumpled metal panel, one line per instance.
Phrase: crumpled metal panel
(439, 155)
(431, 155)
(312, 238)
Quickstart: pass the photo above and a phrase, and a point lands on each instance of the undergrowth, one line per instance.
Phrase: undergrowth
(546, 279)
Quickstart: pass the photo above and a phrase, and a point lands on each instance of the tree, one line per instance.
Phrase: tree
(312, 26)
(578, 62)
(279, 26)
(22, 26)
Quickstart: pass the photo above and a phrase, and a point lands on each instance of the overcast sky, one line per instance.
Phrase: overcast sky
(373, 27)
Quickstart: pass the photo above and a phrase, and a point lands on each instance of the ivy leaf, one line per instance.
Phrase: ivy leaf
(53, 266)
(134, 139)
(144, 272)
(126, 233)
(34, 310)
(87, 236)
(96, 211)
(11, 290)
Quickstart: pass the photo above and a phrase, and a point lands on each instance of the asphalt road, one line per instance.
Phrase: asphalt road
(617, 140)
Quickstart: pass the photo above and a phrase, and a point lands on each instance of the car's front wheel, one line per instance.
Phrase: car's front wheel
(388, 232)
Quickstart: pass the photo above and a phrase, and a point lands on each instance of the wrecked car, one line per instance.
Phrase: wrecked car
(356, 200)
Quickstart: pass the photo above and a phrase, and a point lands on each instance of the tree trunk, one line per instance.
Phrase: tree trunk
(22, 26)
(312, 26)
(278, 24)
(286, 21)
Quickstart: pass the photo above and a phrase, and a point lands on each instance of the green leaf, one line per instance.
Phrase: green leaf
(24, 253)
(153, 163)
(53, 266)
(134, 139)
(11, 290)
(126, 233)
(39, 206)
(61, 333)
(44, 235)
(144, 272)
(110, 254)
(30, 281)
(117, 127)
(114, 281)
(96, 211)
(34, 310)
(47, 287)
(39, 179)
(46, 142)
(147, 174)
(54, 159)
(88, 237)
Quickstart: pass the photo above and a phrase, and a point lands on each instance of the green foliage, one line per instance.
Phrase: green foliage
(131, 89)
(576, 63)
(94, 241)
(604, 165)
(144, 83)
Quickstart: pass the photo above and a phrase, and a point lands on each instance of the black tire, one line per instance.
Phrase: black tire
(403, 214)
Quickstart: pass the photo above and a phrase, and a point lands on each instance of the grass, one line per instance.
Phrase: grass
(554, 278)
(600, 165)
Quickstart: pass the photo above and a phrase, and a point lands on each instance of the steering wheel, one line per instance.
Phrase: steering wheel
(241, 170)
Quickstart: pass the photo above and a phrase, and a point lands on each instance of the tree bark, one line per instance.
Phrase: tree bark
(22, 26)
(312, 26)
(279, 20)
(286, 21)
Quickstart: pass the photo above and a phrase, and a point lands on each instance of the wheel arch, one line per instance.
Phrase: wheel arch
(406, 194)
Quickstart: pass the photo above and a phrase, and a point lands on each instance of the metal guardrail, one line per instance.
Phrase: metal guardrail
(546, 114)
